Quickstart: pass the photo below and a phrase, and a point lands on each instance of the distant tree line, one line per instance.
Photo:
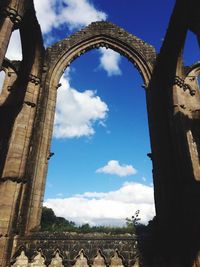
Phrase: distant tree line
(50, 222)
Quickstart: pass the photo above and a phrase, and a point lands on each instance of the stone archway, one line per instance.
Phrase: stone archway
(173, 101)
(101, 34)
(58, 57)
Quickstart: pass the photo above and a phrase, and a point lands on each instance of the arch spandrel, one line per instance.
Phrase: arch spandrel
(100, 34)
(57, 58)
(193, 70)
(191, 80)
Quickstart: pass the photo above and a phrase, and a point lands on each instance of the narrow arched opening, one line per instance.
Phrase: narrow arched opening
(58, 58)
(100, 143)
(14, 50)
(191, 56)
(198, 80)
(2, 78)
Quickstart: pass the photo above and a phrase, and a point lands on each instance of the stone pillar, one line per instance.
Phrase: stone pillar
(39, 157)
(14, 183)
(21, 133)
(10, 189)
(175, 157)
(16, 159)
(21, 104)
(11, 192)
(10, 20)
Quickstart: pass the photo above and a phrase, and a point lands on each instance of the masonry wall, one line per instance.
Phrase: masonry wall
(71, 249)
(27, 108)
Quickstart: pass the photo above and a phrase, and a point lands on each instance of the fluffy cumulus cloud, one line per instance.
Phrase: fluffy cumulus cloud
(46, 14)
(109, 61)
(77, 112)
(74, 13)
(86, 107)
(109, 208)
(79, 13)
(114, 167)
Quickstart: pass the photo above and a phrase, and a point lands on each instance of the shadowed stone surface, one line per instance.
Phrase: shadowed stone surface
(27, 108)
(80, 249)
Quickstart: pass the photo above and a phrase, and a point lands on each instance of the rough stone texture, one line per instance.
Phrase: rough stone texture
(57, 58)
(64, 249)
(38, 261)
(56, 261)
(27, 108)
(21, 260)
(99, 260)
(81, 260)
(103, 34)
(17, 113)
(11, 14)
(173, 104)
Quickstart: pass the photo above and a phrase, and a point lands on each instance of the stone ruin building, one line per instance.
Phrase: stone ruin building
(27, 107)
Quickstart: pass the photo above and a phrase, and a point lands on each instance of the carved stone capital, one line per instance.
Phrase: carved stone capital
(13, 179)
(34, 79)
(31, 104)
(13, 15)
(181, 83)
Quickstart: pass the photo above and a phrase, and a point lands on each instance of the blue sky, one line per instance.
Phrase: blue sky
(100, 173)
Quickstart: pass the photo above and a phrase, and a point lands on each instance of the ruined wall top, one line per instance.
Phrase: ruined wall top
(110, 30)
(101, 34)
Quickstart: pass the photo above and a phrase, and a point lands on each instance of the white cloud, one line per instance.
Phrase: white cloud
(109, 61)
(14, 51)
(46, 14)
(110, 208)
(76, 112)
(74, 13)
(79, 13)
(114, 167)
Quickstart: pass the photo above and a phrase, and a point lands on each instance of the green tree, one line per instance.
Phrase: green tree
(50, 222)
(133, 222)
(48, 217)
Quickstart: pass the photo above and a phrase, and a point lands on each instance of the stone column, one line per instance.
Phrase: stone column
(13, 182)
(10, 21)
(21, 133)
(39, 158)
(20, 107)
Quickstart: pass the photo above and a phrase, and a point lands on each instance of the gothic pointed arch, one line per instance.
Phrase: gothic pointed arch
(173, 101)
(21, 260)
(193, 70)
(81, 260)
(116, 260)
(57, 260)
(38, 260)
(99, 260)
(57, 58)
(96, 35)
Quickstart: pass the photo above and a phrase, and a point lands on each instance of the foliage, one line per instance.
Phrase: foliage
(50, 222)
(134, 221)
